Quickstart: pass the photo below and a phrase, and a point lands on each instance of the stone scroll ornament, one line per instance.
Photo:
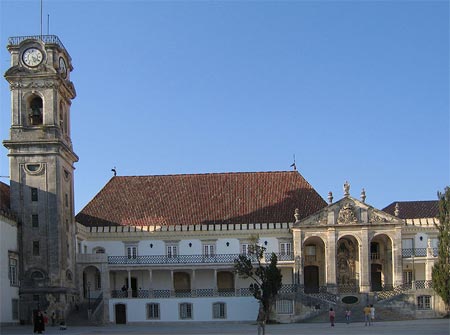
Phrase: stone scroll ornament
(346, 215)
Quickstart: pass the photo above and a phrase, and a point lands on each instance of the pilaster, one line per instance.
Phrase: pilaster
(364, 258)
(331, 260)
(397, 260)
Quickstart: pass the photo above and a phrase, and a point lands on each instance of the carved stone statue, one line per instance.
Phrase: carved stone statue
(346, 189)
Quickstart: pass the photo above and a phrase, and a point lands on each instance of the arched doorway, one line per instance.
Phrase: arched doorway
(313, 264)
(92, 283)
(347, 264)
(381, 264)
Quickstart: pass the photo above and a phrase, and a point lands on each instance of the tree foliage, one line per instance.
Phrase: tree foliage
(441, 270)
(266, 277)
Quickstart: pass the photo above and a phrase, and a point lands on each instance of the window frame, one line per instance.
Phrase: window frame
(131, 251)
(185, 311)
(424, 302)
(13, 273)
(36, 251)
(152, 309)
(34, 193)
(284, 306)
(285, 248)
(172, 250)
(219, 310)
(209, 250)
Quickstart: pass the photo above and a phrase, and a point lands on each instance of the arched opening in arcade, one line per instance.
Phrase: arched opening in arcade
(314, 264)
(347, 264)
(381, 264)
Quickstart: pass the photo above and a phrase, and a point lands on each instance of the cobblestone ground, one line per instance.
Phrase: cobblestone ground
(415, 327)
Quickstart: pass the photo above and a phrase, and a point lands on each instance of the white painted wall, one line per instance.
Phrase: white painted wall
(237, 309)
(8, 242)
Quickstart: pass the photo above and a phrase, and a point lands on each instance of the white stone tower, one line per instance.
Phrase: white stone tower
(41, 160)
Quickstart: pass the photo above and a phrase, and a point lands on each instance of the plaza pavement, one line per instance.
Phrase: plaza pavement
(411, 327)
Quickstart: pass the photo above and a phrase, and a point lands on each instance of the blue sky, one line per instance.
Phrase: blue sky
(357, 90)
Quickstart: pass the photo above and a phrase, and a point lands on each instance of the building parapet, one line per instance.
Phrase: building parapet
(223, 227)
(47, 39)
(422, 222)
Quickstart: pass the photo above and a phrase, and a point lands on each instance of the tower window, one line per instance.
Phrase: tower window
(34, 194)
(35, 221)
(35, 113)
(13, 278)
(36, 249)
(66, 200)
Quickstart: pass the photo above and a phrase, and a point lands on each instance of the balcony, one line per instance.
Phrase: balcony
(418, 252)
(47, 39)
(195, 293)
(185, 259)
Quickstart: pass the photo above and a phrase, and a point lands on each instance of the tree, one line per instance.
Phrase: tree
(441, 270)
(266, 277)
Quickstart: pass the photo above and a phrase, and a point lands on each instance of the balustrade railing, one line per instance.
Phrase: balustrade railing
(186, 259)
(416, 252)
(47, 39)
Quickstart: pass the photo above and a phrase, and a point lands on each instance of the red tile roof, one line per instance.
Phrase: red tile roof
(414, 209)
(5, 202)
(254, 197)
(4, 196)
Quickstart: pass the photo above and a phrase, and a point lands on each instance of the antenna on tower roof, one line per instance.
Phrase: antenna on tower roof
(114, 171)
(293, 165)
(41, 19)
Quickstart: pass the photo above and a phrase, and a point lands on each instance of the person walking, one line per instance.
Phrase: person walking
(261, 320)
(332, 315)
(347, 315)
(366, 315)
(39, 325)
(372, 313)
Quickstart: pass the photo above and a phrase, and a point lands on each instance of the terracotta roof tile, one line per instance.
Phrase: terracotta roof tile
(254, 197)
(414, 209)
(4, 196)
(5, 202)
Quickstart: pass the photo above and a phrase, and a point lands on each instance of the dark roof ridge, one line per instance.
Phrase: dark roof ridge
(204, 174)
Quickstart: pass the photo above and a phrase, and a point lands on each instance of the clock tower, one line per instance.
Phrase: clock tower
(41, 161)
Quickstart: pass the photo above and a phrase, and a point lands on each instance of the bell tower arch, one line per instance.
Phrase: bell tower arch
(41, 162)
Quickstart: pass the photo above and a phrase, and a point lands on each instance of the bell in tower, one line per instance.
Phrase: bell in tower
(41, 162)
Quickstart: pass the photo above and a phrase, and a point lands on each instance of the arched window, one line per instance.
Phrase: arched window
(69, 275)
(35, 111)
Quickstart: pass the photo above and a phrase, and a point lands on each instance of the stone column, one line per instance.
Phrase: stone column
(364, 260)
(215, 280)
(193, 287)
(172, 290)
(331, 260)
(150, 286)
(106, 291)
(397, 258)
(129, 293)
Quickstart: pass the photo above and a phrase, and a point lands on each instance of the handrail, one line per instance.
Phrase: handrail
(184, 259)
(47, 39)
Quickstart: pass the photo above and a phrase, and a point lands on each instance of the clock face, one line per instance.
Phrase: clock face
(62, 67)
(32, 57)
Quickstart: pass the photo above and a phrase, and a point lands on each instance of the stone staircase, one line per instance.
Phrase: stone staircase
(382, 313)
(80, 317)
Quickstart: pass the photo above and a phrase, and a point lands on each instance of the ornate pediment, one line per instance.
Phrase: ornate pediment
(376, 218)
(347, 215)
